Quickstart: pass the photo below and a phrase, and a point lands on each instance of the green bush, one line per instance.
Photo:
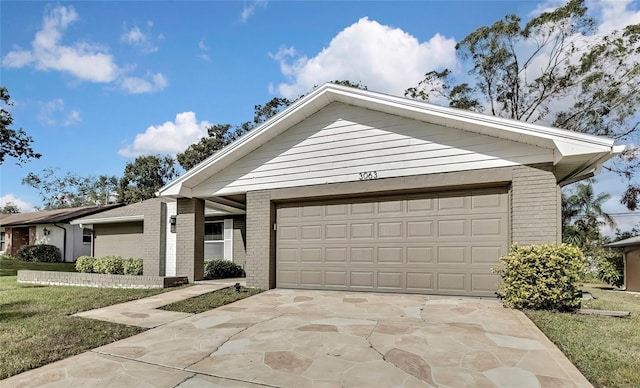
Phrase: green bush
(132, 266)
(542, 277)
(85, 264)
(219, 269)
(109, 265)
(42, 253)
(610, 267)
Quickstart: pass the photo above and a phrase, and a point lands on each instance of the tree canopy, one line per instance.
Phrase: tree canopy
(144, 176)
(71, 190)
(9, 208)
(555, 70)
(14, 143)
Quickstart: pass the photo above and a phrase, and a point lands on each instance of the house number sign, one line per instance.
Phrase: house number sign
(368, 175)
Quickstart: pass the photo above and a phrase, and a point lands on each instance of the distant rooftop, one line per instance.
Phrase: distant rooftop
(52, 216)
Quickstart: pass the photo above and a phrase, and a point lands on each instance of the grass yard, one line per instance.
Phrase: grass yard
(35, 323)
(605, 349)
(211, 300)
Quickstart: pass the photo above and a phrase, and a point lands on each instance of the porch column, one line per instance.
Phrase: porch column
(190, 238)
(154, 238)
(260, 261)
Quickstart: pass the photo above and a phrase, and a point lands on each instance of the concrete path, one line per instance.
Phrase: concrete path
(144, 312)
(287, 338)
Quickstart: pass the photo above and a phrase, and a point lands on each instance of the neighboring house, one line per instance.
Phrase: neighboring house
(48, 227)
(147, 230)
(350, 189)
(631, 259)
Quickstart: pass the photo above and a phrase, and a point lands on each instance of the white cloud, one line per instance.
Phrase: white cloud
(203, 51)
(150, 83)
(84, 61)
(53, 113)
(24, 206)
(615, 15)
(383, 58)
(170, 137)
(145, 41)
(250, 8)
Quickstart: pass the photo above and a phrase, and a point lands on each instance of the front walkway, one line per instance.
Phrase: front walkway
(296, 338)
(144, 312)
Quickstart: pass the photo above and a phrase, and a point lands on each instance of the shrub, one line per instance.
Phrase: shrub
(611, 267)
(85, 264)
(542, 277)
(109, 265)
(132, 266)
(42, 253)
(219, 269)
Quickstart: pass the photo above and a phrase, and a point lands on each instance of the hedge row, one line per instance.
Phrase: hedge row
(114, 265)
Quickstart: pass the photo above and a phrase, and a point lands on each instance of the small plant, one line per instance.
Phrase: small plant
(85, 264)
(42, 253)
(109, 265)
(132, 266)
(542, 277)
(220, 269)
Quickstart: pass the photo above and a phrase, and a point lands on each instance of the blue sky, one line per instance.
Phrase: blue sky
(98, 83)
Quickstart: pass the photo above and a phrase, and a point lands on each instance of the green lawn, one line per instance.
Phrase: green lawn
(211, 300)
(605, 349)
(35, 323)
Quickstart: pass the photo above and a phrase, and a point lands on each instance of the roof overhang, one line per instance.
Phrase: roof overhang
(575, 154)
(108, 220)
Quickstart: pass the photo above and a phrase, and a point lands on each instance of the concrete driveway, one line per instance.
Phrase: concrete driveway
(294, 338)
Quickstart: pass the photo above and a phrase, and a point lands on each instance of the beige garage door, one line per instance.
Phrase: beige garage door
(444, 243)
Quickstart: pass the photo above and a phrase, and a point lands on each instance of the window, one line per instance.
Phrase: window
(1, 241)
(213, 240)
(86, 236)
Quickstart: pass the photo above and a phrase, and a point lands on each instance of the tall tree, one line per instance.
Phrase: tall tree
(9, 208)
(554, 70)
(583, 217)
(72, 190)
(144, 176)
(14, 143)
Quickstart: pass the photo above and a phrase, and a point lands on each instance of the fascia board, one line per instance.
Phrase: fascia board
(108, 220)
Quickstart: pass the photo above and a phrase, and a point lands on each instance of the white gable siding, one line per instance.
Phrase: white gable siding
(341, 141)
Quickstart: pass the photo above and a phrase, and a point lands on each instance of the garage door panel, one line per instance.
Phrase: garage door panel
(390, 255)
(361, 279)
(419, 281)
(362, 231)
(336, 279)
(420, 255)
(419, 229)
(387, 230)
(451, 254)
(336, 232)
(443, 243)
(335, 255)
(390, 280)
(391, 208)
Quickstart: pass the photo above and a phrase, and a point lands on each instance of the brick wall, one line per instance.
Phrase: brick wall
(260, 263)
(535, 206)
(153, 238)
(53, 278)
(190, 238)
